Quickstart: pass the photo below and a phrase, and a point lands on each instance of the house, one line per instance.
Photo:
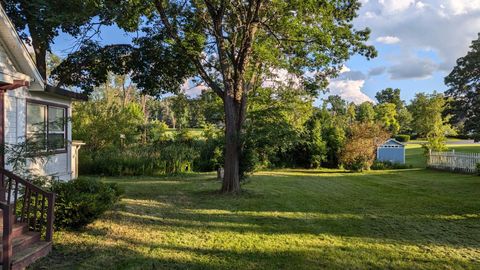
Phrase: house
(31, 109)
(391, 151)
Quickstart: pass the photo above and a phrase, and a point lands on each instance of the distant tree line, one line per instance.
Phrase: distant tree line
(128, 132)
(231, 48)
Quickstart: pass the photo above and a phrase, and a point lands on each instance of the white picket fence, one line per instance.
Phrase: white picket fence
(454, 161)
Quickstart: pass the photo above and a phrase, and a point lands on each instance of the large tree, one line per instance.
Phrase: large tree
(386, 115)
(39, 22)
(335, 104)
(366, 112)
(403, 116)
(390, 95)
(464, 90)
(231, 46)
(428, 119)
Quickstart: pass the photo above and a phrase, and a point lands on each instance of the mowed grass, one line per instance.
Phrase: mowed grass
(194, 132)
(289, 219)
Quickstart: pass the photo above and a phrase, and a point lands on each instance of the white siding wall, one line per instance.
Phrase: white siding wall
(58, 165)
(6, 64)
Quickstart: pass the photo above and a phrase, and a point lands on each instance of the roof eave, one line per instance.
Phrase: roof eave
(58, 91)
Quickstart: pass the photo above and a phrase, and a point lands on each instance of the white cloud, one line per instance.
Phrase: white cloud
(191, 88)
(392, 6)
(344, 69)
(459, 7)
(349, 85)
(352, 76)
(376, 71)
(420, 5)
(349, 90)
(388, 39)
(413, 68)
(445, 27)
(281, 78)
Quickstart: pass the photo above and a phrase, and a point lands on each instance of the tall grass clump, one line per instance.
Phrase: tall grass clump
(171, 156)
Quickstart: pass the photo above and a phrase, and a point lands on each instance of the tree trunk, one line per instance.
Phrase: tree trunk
(145, 118)
(231, 180)
(40, 58)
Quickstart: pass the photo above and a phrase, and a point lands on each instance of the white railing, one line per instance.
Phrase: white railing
(452, 161)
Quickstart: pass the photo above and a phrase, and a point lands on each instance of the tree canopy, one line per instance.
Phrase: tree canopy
(464, 91)
(366, 113)
(40, 21)
(428, 120)
(390, 95)
(230, 46)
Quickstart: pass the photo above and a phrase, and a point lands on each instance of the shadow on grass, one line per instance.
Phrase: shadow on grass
(317, 172)
(92, 256)
(403, 208)
(451, 230)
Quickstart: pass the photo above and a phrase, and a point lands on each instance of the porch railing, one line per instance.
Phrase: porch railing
(23, 202)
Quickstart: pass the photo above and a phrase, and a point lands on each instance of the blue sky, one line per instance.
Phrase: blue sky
(418, 43)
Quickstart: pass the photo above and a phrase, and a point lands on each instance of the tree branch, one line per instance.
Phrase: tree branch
(173, 34)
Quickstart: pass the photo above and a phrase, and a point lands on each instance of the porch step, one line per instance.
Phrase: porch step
(27, 246)
(24, 241)
(17, 230)
(24, 257)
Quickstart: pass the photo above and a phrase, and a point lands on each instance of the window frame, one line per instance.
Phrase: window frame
(47, 128)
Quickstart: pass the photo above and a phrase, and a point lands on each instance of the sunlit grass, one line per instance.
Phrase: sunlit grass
(288, 219)
(194, 132)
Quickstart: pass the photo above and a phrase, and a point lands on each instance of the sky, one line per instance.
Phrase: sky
(418, 43)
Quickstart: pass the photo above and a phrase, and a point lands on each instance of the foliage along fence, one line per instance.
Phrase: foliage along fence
(451, 161)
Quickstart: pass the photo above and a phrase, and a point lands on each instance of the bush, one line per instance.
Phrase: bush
(435, 143)
(359, 151)
(80, 202)
(357, 164)
(163, 157)
(478, 168)
(210, 156)
(402, 138)
(386, 165)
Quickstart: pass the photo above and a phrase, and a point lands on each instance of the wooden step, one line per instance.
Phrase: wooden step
(24, 257)
(23, 241)
(17, 230)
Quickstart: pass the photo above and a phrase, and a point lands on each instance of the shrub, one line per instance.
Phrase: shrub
(210, 150)
(358, 164)
(163, 157)
(435, 143)
(378, 166)
(402, 138)
(359, 151)
(80, 202)
(386, 165)
(478, 168)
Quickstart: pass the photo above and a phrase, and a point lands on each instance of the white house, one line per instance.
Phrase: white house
(29, 108)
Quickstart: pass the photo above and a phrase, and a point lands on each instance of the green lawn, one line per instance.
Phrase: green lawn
(194, 132)
(290, 219)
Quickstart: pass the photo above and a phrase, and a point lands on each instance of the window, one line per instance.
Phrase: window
(46, 125)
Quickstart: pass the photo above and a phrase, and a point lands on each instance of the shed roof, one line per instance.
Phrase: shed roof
(392, 142)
